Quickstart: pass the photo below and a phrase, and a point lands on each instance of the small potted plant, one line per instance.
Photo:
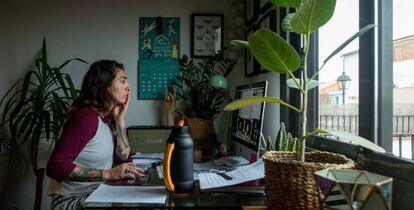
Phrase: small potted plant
(289, 178)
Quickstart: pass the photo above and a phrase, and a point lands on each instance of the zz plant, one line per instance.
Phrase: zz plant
(201, 99)
(277, 55)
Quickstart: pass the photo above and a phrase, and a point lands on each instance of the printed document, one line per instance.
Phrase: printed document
(128, 194)
(241, 174)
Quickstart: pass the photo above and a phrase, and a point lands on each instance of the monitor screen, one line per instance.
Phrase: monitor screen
(247, 122)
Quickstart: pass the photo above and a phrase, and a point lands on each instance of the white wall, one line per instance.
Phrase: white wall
(93, 30)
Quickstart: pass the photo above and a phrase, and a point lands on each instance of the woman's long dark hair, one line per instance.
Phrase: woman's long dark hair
(94, 91)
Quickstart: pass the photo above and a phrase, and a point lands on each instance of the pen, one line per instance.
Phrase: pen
(221, 173)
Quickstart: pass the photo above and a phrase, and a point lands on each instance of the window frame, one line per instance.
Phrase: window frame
(375, 102)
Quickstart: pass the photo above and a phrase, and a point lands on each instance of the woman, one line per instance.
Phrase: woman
(93, 138)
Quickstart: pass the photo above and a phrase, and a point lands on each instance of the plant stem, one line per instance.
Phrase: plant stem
(304, 104)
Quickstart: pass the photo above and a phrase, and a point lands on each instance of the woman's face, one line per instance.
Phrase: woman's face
(119, 88)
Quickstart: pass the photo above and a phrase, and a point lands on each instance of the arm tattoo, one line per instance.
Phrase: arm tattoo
(122, 146)
(85, 174)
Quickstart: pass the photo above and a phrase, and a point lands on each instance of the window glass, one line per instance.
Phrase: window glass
(403, 78)
(338, 90)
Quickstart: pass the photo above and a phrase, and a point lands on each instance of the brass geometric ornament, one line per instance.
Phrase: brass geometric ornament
(353, 189)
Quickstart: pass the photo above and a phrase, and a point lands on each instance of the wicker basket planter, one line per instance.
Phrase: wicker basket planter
(290, 184)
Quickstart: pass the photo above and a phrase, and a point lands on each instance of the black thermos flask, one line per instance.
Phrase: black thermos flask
(178, 161)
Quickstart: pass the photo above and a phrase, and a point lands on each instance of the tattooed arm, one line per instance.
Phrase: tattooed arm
(86, 174)
(122, 149)
(116, 173)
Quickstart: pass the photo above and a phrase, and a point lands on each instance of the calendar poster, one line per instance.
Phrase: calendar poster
(158, 54)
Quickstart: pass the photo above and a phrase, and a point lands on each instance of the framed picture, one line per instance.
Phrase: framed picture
(269, 21)
(251, 11)
(264, 6)
(206, 35)
(251, 64)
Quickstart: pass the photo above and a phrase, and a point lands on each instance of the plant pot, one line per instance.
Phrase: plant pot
(201, 130)
(290, 184)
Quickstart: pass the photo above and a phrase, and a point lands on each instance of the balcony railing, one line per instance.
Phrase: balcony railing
(403, 130)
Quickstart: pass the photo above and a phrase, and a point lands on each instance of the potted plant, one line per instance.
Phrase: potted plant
(289, 179)
(203, 87)
(35, 108)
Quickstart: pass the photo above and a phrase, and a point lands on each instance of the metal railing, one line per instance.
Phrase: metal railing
(348, 123)
(403, 130)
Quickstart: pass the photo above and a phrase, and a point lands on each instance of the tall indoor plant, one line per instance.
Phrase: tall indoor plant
(35, 108)
(277, 55)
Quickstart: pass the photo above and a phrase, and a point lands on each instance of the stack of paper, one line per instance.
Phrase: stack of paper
(128, 194)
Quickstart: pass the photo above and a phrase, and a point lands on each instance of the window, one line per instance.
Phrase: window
(339, 78)
(403, 78)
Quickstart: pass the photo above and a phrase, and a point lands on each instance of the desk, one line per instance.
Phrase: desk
(195, 200)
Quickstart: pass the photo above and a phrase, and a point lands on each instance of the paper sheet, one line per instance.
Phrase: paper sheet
(128, 194)
(242, 174)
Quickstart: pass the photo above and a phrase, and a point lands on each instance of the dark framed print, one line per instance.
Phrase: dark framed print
(264, 6)
(251, 64)
(251, 11)
(270, 21)
(206, 35)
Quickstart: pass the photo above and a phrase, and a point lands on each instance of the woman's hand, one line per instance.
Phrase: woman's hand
(119, 112)
(123, 171)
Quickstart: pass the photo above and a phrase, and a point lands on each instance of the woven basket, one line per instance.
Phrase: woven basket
(201, 131)
(290, 184)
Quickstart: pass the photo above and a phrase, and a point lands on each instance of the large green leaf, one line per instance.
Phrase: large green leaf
(355, 139)
(310, 16)
(249, 101)
(273, 52)
(286, 3)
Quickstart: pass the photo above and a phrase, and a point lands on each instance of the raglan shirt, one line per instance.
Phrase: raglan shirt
(87, 141)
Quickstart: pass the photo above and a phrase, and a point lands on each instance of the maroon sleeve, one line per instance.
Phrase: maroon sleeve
(78, 130)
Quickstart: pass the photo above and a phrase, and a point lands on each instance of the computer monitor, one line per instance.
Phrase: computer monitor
(247, 122)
